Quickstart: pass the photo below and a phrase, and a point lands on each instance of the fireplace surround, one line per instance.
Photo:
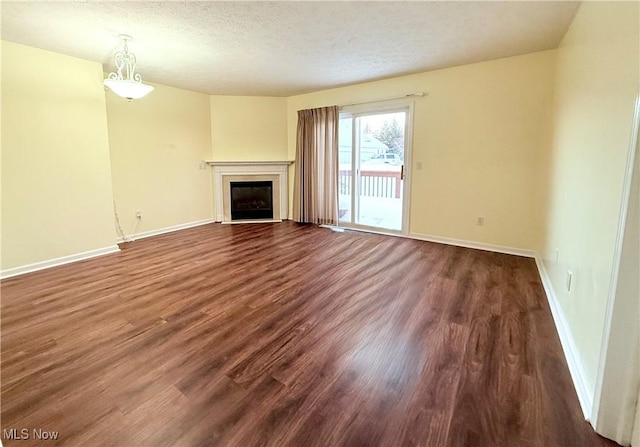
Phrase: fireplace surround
(227, 172)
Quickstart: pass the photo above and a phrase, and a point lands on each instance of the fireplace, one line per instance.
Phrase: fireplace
(251, 200)
(227, 172)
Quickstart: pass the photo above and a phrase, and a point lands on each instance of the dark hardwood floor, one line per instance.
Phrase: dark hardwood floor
(286, 335)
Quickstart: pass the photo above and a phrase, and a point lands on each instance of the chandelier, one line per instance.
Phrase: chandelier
(131, 86)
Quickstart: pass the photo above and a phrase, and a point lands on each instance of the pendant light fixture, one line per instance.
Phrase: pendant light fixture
(130, 85)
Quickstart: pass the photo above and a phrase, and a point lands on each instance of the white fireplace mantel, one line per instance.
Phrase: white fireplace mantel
(249, 163)
(225, 171)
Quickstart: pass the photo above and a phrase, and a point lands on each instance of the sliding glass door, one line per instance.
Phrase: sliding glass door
(373, 152)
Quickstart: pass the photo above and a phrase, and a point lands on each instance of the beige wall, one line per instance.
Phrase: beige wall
(158, 145)
(56, 180)
(596, 86)
(249, 128)
(480, 135)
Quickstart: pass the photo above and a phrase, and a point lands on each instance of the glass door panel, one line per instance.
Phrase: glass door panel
(372, 153)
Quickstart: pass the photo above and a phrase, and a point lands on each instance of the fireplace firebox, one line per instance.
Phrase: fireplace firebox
(251, 200)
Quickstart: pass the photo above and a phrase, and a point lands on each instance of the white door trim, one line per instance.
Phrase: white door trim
(611, 417)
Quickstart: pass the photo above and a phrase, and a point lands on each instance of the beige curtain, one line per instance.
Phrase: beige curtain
(315, 193)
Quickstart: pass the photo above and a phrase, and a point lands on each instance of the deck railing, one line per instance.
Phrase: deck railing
(373, 183)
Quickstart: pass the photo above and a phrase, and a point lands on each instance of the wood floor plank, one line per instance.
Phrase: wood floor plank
(475, 419)
(286, 335)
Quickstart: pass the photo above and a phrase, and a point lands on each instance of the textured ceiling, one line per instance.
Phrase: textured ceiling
(286, 48)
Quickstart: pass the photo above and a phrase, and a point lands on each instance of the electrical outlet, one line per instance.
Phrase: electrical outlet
(202, 165)
(569, 280)
(480, 221)
(138, 214)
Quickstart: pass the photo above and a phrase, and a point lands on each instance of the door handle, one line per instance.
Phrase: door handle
(402, 172)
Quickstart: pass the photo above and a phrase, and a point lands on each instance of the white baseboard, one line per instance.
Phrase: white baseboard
(15, 271)
(476, 245)
(585, 396)
(164, 230)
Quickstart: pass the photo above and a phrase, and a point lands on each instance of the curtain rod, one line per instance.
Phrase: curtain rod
(390, 98)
